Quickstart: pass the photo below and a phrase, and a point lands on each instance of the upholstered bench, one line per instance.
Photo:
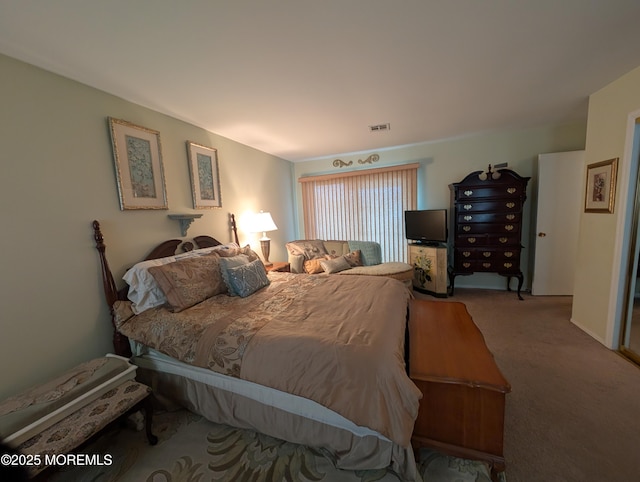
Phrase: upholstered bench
(54, 418)
(345, 258)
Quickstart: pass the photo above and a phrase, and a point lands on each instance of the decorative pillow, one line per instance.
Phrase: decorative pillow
(370, 251)
(313, 266)
(144, 291)
(248, 278)
(354, 258)
(335, 265)
(247, 251)
(189, 281)
(229, 262)
(310, 249)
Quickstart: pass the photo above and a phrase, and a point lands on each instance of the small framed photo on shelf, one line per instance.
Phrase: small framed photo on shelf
(601, 186)
(138, 162)
(205, 177)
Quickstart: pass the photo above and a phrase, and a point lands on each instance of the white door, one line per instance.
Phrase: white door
(560, 185)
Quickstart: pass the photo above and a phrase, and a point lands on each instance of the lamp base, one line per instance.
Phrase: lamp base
(265, 244)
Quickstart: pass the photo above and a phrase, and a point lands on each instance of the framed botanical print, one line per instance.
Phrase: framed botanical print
(205, 177)
(137, 155)
(601, 186)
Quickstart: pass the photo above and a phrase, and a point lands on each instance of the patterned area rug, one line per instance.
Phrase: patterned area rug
(192, 449)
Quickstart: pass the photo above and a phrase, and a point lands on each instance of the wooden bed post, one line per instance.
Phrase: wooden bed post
(234, 229)
(120, 342)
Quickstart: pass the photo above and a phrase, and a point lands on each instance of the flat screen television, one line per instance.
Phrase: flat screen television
(428, 226)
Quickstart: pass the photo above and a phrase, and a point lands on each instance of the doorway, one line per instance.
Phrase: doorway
(629, 344)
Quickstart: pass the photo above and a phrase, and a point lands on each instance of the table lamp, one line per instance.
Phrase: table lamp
(261, 223)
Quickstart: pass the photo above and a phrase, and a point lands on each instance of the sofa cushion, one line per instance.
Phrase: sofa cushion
(370, 251)
(396, 270)
(309, 248)
(336, 248)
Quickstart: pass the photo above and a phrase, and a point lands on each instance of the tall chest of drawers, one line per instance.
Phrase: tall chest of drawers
(486, 224)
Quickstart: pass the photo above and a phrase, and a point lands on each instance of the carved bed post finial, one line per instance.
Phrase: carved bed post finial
(234, 228)
(120, 342)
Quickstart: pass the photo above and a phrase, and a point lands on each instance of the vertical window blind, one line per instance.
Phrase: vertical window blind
(363, 205)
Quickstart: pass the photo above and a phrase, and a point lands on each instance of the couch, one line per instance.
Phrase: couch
(316, 256)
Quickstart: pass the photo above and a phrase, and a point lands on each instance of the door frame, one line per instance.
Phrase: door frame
(625, 234)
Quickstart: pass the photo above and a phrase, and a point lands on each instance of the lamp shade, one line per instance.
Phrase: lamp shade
(262, 222)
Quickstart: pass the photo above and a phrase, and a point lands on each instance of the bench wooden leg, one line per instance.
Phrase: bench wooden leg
(146, 407)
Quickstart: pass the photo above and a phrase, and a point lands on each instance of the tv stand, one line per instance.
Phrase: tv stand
(429, 262)
(431, 244)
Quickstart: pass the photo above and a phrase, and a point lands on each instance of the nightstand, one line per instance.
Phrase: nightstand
(281, 266)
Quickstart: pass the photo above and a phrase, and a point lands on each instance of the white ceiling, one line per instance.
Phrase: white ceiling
(301, 79)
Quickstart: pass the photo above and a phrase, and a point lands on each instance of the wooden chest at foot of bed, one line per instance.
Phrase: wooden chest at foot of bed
(462, 409)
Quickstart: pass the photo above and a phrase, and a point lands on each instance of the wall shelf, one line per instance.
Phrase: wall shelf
(185, 220)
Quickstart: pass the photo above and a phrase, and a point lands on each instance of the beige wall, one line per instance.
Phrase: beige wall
(450, 160)
(601, 251)
(57, 175)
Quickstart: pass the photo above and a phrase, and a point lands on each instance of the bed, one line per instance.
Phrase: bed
(314, 360)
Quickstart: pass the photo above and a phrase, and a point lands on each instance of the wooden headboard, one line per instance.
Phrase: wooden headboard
(164, 249)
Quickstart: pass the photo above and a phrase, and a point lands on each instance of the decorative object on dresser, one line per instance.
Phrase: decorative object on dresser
(486, 220)
(261, 223)
(462, 409)
(429, 269)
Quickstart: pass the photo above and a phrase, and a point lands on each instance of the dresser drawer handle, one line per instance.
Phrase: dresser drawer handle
(508, 254)
(467, 206)
(468, 192)
(511, 217)
(509, 227)
(511, 190)
(466, 228)
(468, 217)
(508, 265)
(486, 254)
(471, 240)
(466, 254)
(511, 205)
(466, 265)
(503, 240)
(486, 265)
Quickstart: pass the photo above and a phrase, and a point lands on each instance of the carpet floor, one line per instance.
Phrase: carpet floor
(192, 449)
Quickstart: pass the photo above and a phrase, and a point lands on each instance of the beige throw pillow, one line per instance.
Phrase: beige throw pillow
(335, 265)
(189, 281)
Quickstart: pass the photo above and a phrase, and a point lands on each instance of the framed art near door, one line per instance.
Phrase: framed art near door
(601, 186)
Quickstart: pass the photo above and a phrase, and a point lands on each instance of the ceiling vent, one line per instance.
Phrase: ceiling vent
(380, 127)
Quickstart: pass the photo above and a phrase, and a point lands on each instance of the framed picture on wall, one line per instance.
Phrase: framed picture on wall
(138, 161)
(601, 186)
(205, 177)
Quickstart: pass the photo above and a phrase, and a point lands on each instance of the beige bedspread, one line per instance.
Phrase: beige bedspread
(336, 340)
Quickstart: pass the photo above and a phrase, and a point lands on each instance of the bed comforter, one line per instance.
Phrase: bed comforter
(336, 340)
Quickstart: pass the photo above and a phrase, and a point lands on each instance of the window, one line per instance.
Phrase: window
(361, 205)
